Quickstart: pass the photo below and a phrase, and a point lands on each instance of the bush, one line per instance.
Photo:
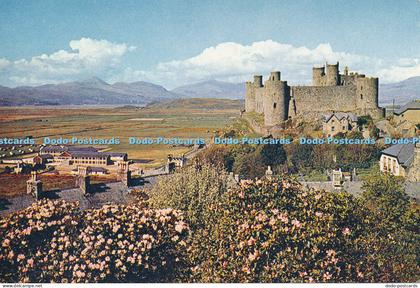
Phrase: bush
(194, 190)
(276, 231)
(52, 241)
(384, 195)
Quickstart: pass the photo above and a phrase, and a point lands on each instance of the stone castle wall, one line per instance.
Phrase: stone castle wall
(318, 99)
(330, 92)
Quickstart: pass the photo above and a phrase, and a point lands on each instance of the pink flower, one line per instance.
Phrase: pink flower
(253, 256)
(296, 223)
(180, 226)
(346, 231)
(251, 241)
(327, 276)
(283, 218)
(6, 243)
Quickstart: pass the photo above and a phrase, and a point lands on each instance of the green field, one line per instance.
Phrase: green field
(181, 120)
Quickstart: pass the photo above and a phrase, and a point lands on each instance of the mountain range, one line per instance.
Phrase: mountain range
(402, 92)
(95, 91)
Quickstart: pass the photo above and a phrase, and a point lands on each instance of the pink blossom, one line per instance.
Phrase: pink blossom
(346, 231)
(180, 226)
(327, 276)
(296, 223)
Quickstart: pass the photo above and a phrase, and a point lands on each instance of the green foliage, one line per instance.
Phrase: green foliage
(193, 190)
(271, 154)
(249, 165)
(300, 155)
(53, 241)
(217, 155)
(276, 231)
(384, 195)
(364, 120)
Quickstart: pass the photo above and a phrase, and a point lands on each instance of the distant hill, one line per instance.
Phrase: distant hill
(212, 89)
(198, 103)
(93, 91)
(402, 92)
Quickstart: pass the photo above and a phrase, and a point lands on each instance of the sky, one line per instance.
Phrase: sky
(176, 42)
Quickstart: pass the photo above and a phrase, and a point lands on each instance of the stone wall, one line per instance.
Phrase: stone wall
(308, 101)
(331, 92)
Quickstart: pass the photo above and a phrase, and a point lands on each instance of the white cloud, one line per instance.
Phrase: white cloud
(236, 62)
(4, 63)
(87, 57)
(405, 68)
(228, 61)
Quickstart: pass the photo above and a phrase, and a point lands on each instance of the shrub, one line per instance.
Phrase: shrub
(194, 190)
(277, 231)
(52, 241)
(384, 195)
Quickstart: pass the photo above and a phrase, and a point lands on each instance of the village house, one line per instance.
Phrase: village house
(56, 151)
(402, 160)
(407, 118)
(339, 122)
(42, 159)
(92, 170)
(86, 158)
(73, 155)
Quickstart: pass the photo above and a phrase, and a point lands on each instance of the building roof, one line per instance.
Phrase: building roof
(80, 149)
(116, 154)
(53, 149)
(340, 116)
(403, 152)
(97, 169)
(62, 148)
(88, 154)
(45, 156)
(413, 105)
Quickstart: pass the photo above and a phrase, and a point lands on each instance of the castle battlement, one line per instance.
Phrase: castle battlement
(330, 91)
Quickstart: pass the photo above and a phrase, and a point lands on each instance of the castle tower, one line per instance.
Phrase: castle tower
(34, 186)
(318, 76)
(276, 100)
(333, 75)
(83, 180)
(250, 93)
(367, 96)
(124, 173)
(249, 97)
(258, 81)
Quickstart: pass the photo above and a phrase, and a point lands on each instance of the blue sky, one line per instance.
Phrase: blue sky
(176, 42)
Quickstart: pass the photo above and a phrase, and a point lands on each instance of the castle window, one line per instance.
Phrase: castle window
(361, 96)
(332, 128)
(274, 105)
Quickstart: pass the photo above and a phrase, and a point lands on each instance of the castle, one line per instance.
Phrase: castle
(330, 92)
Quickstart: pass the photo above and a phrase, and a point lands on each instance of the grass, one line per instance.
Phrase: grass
(315, 176)
(186, 119)
(258, 117)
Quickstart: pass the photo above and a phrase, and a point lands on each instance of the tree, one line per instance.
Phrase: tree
(384, 194)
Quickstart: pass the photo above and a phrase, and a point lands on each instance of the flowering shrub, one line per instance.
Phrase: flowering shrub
(194, 190)
(277, 231)
(52, 241)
